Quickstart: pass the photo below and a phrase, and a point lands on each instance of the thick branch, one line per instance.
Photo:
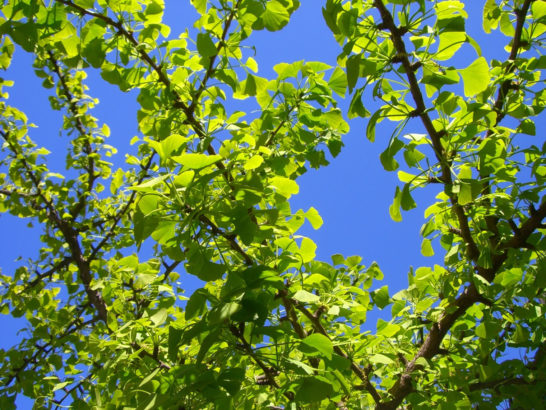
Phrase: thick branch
(422, 112)
(430, 347)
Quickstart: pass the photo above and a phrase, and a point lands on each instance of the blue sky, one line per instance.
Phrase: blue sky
(352, 194)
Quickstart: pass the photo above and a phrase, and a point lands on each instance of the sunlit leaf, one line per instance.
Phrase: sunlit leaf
(475, 77)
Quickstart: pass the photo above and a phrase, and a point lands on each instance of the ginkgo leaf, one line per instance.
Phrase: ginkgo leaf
(205, 45)
(284, 186)
(314, 218)
(317, 344)
(305, 297)
(253, 162)
(196, 161)
(338, 82)
(275, 16)
(476, 77)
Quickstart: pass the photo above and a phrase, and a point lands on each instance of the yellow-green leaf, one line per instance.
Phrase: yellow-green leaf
(476, 77)
(253, 163)
(426, 248)
(314, 218)
(196, 161)
(284, 186)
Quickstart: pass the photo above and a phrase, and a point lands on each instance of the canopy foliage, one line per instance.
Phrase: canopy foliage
(208, 192)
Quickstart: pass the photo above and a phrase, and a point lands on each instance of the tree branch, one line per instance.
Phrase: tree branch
(435, 136)
(317, 325)
(50, 272)
(117, 218)
(211, 68)
(521, 15)
(69, 233)
(248, 349)
(73, 109)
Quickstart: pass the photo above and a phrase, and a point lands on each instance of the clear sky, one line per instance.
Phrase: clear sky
(352, 194)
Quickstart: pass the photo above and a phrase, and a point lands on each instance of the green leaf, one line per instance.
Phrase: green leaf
(314, 218)
(307, 250)
(387, 329)
(184, 178)
(275, 16)
(205, 45)
(528, 127)
(435, 78)
(197, 304)
(196, 161)
(231, 379)
(87, 4)
(521, 335)
(510, 277)
(26, 35)
(381, 297)
(394, 209)
(487, 329)
(305, 297)
(426, 248)
(61, 385)
(175, 335)
(159, 317)
(149, 378)
(353, 69)
(330, 14)
(200, 6)
(338, 82)
(223, 312)
(173, 143)
(538, 9)
(476, 77)
(465, 194)
(305, 367)
(313, 389)
(338, 259)
(387, 156)
(204, 269)
(284, 186)
(143, 226)
(491, 14)
(347, 22)
(149, 185)
(164, 231)
(247, 88)
(406, 201)
(506, 26)
(381, 359)
(253, 162)
(317, 344)
(450, 43)
(376, 117)
(95, 52)
(338, 363)
(206, 344)
(356, 108)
